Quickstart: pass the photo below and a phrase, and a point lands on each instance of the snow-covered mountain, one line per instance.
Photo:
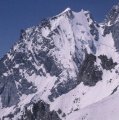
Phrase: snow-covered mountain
(65, 68)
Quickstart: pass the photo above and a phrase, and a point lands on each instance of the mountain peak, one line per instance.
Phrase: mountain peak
(66, 56)
(113, 15)
(66, 10)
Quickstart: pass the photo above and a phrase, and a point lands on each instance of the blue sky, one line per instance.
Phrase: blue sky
(20, 14)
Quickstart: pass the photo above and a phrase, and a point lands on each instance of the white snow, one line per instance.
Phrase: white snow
(107, 109)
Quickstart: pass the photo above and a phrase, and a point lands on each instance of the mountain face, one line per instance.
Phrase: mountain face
(65, 68)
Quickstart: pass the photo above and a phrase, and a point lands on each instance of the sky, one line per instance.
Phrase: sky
(21, 14)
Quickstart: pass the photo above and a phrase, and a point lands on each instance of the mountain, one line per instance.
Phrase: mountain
(65, 68)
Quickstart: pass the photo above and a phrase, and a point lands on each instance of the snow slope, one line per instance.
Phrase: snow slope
(106, 109)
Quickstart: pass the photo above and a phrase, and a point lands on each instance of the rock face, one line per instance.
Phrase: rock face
(106, 63)
(41, 111)
(89, 72)
(59, 67)
(112, 24)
